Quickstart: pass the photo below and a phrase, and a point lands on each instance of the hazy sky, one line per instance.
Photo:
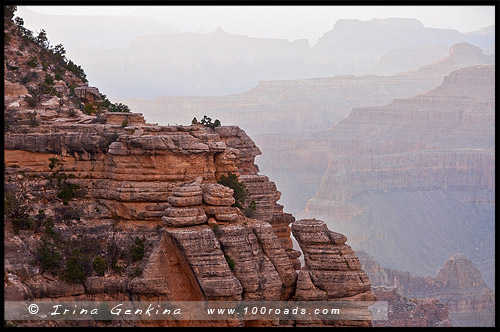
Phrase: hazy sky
(289, 22)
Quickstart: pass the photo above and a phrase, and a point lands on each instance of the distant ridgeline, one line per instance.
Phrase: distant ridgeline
(100, 206)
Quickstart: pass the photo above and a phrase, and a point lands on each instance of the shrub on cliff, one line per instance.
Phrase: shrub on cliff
(230, 262)
(207, 122)
(80, 254)
(250, 209)
(99, 265)
(17, 212)
(67, 191)
(31, 101)
(33, 120)
(240, 189)
(48, 256)
(77, 70)
(32, 62)
(137, 249)
(88, 109)
(119, 107)
(73, 272)
(9, 11)
(110, 138)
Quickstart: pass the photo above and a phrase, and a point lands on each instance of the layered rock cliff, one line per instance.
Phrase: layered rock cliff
(101, 205)
(411, 312)
(413, 182)
(287, 118)
(458, 284)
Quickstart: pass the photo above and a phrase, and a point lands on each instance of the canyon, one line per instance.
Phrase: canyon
(458, 285)
(103, 206)
(418, 170)
(396, 174)
(144, 57)
(289, 119)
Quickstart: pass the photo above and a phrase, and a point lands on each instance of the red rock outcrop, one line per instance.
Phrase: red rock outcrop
(332, 270)
(404, 312)
(412, 181)
(109, 207)
(458, 284)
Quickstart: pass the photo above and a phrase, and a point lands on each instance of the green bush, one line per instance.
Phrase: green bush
(77, 70)
(67, 191)
(40, 219)
(47, 86)
(137, 272)
(31, 101)
(240, 190)
(88, 109)
(99, 265)
(229, 261)
(111, 138)
(118, 107)
(48, 258)
(250, 209)
(32, 62)
(33, 120)
(49, 79)
(137, 249)
(207, 122)
(124, 123)
(80, 254)
(117, 268)
(29, 77)
(66, 214)
(50, 234)
(54, 162)
(17, 212)
(73, 272)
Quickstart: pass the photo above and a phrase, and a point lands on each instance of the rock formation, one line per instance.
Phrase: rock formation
(108, 207)
(404, 312)
(332, 271)
(288, 118)
(458, 284)
(413, 182)
(229, 63)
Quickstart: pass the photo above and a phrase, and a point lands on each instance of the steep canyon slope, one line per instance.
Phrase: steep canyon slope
(101, 205)
(413, 182)
(287, 118)
(459, 285)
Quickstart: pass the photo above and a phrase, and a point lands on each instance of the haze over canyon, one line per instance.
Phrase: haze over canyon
(369, 157)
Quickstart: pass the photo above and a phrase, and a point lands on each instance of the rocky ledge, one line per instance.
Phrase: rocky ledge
(159, 184)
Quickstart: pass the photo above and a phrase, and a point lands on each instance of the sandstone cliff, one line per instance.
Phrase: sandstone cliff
(458, 284)
(104, 206)
(413, 182)
(405, 312)
(287, 118)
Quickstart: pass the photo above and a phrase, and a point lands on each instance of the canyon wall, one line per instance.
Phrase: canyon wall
(288, 118)
(459, 285)
(413, 182)
(159, 183)
(101, 205)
